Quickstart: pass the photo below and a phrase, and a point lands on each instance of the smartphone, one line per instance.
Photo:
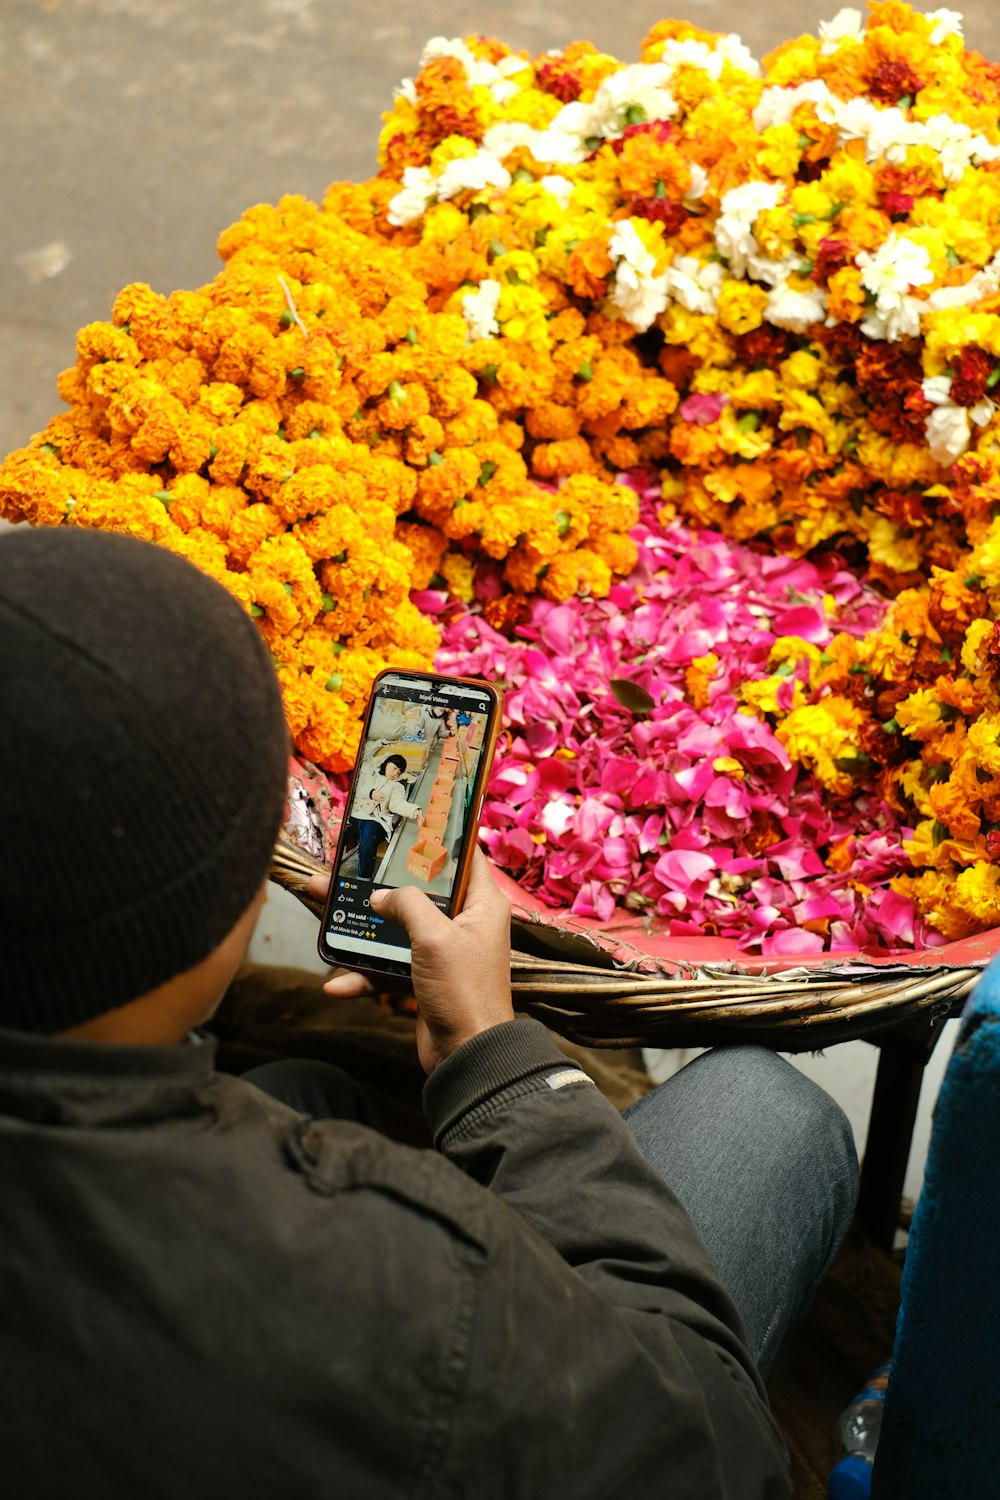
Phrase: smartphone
(412, 812)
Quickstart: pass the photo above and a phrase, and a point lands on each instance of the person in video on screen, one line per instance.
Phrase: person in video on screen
(379, 802)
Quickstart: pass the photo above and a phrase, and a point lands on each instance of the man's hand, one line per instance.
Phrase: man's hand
(460, 965)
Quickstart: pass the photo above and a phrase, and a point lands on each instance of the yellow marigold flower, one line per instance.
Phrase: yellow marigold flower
(826, 738)
(741, 306)
(762, 696)
(698, 679)
(791, 648)
(619, 552)
(934, 896)
(922, 715)
(459, 574)
(577, 572)
(984, 742)
(779, 152)
(889, 545)
(556, 460)
(889, 655)
(977, 892)
(953, 811)
(977, 638)
(551, 420)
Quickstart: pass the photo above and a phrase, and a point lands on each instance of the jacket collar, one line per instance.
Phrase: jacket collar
(73, 1082)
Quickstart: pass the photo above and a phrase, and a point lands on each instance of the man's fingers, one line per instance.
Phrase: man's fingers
(483, 892)
(347, 984)
(319, 884)
(417, 912)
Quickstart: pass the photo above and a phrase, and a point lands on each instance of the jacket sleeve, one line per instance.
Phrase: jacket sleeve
(398, 803)
(638, 1335)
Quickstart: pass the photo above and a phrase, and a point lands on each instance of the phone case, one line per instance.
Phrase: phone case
(429, 853)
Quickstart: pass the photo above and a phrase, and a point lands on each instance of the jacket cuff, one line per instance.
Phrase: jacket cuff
(486, 1065)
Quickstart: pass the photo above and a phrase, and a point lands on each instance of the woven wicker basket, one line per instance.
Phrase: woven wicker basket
(592, 996)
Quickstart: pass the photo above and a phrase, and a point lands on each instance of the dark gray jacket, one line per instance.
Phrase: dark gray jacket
(207, 1295)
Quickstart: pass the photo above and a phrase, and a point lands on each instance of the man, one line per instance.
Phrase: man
(207, 1293)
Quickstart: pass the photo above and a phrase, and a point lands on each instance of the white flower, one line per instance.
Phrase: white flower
(937, 389)
(421, 188)
(639, 294)
(477, 69)
(794, 310)
(472, 174)
(847, 25)
(777, 105)
(887, 133)
(948, 427)
(479, 310)
(772, 272)
(947, 23)
(407, 90)
(414, 198)
(985, 283)
(641, 87)
(948, 432)
(738, 211)
(546, 146)
(711, 60)
(566, 139)
(555, 817)
(895, 267)
(691, 54)
(731, 49)
(560, 187)
(695, 283)
(699, 182)
(901, 321)
(956, 144)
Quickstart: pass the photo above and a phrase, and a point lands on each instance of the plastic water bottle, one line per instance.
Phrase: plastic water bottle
(858, 1427)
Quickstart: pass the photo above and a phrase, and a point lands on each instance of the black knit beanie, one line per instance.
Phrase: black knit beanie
(143, 757)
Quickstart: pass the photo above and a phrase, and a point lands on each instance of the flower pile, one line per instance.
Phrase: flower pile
(775, 287)
(638, 771)
(305, 431)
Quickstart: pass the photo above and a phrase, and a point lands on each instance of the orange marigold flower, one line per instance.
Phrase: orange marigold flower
(589, 266)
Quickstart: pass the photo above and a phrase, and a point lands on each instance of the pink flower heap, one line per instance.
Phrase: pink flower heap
(636, 772)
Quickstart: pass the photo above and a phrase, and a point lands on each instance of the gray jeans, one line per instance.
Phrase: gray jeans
(762, 1159)
(764, 1162)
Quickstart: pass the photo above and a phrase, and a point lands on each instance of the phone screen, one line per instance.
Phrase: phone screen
(412, 809)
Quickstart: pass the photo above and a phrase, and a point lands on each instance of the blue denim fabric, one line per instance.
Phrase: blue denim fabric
(764, 1162)
(370, 835)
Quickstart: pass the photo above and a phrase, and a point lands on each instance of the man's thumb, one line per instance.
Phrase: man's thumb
(410, 907)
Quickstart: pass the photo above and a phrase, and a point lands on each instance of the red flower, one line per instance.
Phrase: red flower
(662, 129)
(765, 346)
(896, 205)
(832, 255)
(666, 211)
(893, 81)
(560, 81)
(973, 369)
(892, 382)
(903, 507)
